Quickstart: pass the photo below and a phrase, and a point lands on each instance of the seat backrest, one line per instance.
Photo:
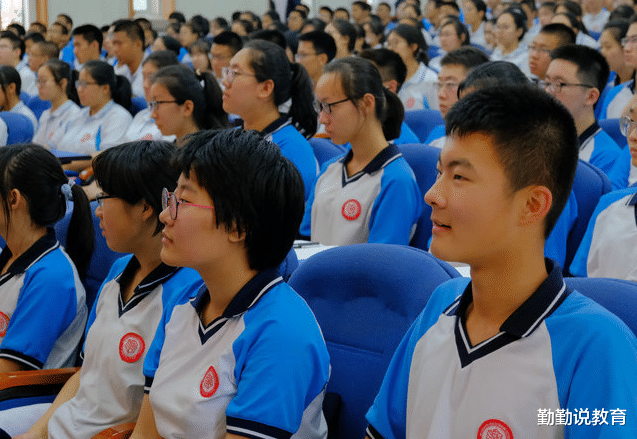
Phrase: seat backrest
(325, 150)
(19, 127)
(422, 122)
(365, 297)
(589, 185)
(35, 104)
(138, 103)
(422, 159)
(616, 295)
(611, 127)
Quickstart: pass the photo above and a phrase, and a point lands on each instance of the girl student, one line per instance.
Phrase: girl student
(180, 105)
(258, 81)
(56, 84)
(356, 196)
(109, 387)
(419, 90)
(509, 32)
(104, 119)
(10, 86)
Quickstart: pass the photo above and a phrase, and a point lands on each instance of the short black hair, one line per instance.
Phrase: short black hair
(161, 58)
(621, 12)
(64, 29)
(274, 36)
(36, 37)
(617, 28)
(564, 33)
(16, 41)
(19, 28)
(199, 25)
(363, 5)
(39, 25)
(137, 171)
(389, 64)
(491, 74)
(67, 18)
(171, 44)
(342, 9)
(230, 39)
(253, 188)
(322, 42)
(592, 67)
(467, 56)
(90, 33)
(346, 29)
(176, 15)
(132, 29)
(533, 135)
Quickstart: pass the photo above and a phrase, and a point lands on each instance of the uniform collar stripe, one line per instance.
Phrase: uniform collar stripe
(37, 251)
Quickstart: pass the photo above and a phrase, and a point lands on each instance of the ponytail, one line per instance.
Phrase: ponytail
(122, 93)
(302, 112)
(80, 238)
(214, 116)
(394, 115)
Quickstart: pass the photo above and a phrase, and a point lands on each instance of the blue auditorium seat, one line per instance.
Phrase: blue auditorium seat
(19, 127)
(138, 103)
(611, 127)
(422, 122)
(325, 150)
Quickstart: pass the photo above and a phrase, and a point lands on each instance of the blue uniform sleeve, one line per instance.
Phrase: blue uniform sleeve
(612, 93)
(282, 367)
(296, 148)
(595, 374)
(406, 135)
(606, 156)
(387, 417)
(555, 246)
(580, 260)
(397, 207)
(33, 328)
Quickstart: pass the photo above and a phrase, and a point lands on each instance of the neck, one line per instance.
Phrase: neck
(148, 255)
(509, 48)
(366, 145)
(412, 66)
(584, 121)
(341, 52)
(22, 237)
(58, 101)
(261, 117)
(134, 64)
(97, 107)
(188, 127)
(475, 25)
(625, 73)
(12, 101)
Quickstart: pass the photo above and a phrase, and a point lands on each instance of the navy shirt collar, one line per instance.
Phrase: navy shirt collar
(41, 247)
(541, 304)
(589, 132)
(276, 125)
(388, 154)
(158, 276)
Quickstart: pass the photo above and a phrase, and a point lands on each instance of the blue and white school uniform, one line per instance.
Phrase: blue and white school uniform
(4, 133)
(519, 57)
(118, 336)
(143, 127)
(28, 78)
(54, 124)
(21, 108)
(609, 247)
(406, 135)
(259, 371)
(586, 40)
(136, 79)
(616, 100)
(295, 148)
(380, 204)
(558, 351)
(103, 130)
(420, 91)
(477, 37)
(600, 150)
(43, 279)
(595, 23)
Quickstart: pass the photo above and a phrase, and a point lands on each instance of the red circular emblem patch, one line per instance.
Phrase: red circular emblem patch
(209, 383)
(351, 209)
(4, 324)
(85, 137)
(494, 429)
(131, 347)
(410, 102)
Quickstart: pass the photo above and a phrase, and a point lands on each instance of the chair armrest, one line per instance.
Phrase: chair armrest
(36, 377)
(121, 431)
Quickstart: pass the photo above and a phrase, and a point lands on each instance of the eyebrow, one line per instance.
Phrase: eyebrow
(461, 162)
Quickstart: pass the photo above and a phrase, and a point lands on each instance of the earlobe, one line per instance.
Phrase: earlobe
(539, 200)
(234, 236)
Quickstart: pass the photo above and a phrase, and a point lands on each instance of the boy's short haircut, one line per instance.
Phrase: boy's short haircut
(342, 9)
(161, 58)
(363, 5)
(67, 18)
(529, 3)
(41, 27)
(253, 188)
(389, 64)
(551, 5)
(90, 33)
(533, 135)
(63, 28)
(176, 15)
(592, 67)
(322, 42)
(274, 36)
(132, 30)
(49, 49)
(16, 41)
(564, 33)
(36, 37)
(18, 28)
(137, 171)
(466, 56)
(492, 74)
(230, 39)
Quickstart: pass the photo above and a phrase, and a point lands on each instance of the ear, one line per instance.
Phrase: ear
(235, 237)
(11, 88)
(592, 97)
(15, 199)
(368, 103)
(147, 211)
(322, 58)
(188, 107)
(266, 89)
(392, 85)
(538, 202)
(413, 47)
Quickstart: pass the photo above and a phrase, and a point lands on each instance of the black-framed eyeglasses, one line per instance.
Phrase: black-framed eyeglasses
(82, 84)
(534, 48)
(556, 87)
(228, 74)
(169, 201)
(101, 197)
(153, 105)
(626, 125)
(326, 107)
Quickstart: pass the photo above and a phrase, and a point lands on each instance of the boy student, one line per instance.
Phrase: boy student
(128, 43)
(244, 356)
(12, 50)
(489, 355)
(87, 44)
(576, 76)
(550, 38)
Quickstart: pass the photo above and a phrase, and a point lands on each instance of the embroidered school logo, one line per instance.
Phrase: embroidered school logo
(85, 137)
(50, 135)
(351, 209)
(410, 102)
(210, 383)
(148, 136)
(4, 324)
(131, 347)
(494, 429)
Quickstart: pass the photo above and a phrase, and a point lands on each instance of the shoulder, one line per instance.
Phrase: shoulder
(616, 196)
(120, 112)
(288, 134)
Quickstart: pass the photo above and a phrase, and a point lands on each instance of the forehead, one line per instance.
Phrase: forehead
(159, 92)
(306, 45)
(475, 151)
(241, 59)
(120, 36)
(546, 41)
(329, 88)
(453, 71)
(85, 74)
(79, 39)
(220, 49)
(506, 19)
(560, 68)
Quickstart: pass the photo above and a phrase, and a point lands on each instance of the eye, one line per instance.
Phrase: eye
(458, 177)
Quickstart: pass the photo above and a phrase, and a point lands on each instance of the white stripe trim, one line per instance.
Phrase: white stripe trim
(479, 345)
(20, 360)
(546, 311)
(266, 288)
(238, 430)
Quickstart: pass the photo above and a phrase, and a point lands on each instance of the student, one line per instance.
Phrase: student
(596, 16)
(356, 196)
(551, 37)
(374, 35)
(611, 48)
(180, 105)
(608, 247)
(104, 119)
(344, 34)
(108, 389)
(393, 73)
(39, 53)
(10, 87)
(474, 13)
(419, 90)
(576, 76)
(56, 84)
(143, 126)
(128, 43)
(11, 54)
(188, 34)
(257, 82)
(489, 353)
(571, 20)
(315, 50)
(224, 46)
(87, 44)
(37, 275)
(453, 35)
(510, 29)
(218, 361)
(199, 51)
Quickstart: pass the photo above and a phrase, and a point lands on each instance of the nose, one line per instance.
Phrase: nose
(164, 217)
(433, 196)
(323, 117)
(98, 212)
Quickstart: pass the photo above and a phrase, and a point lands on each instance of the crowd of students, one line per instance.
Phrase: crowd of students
(200, 156)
